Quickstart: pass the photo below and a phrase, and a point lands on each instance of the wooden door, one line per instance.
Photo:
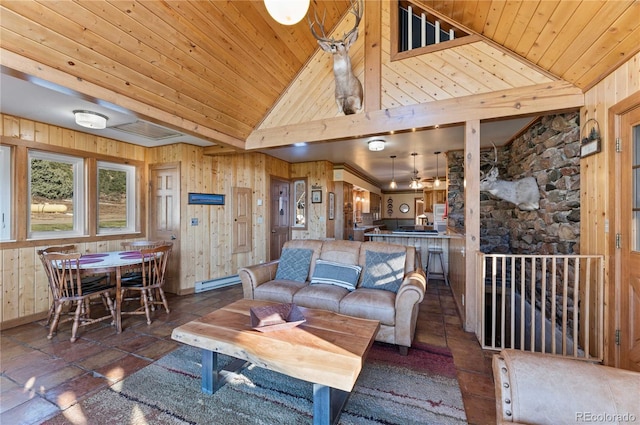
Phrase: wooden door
(242, 223)
(629, 302)
(279, 216)
(164, 216)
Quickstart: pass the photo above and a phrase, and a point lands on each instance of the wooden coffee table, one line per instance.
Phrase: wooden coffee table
(327, 350)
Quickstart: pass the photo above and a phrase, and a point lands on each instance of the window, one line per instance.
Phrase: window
(56, 194)
(116, 198)
(5, 193)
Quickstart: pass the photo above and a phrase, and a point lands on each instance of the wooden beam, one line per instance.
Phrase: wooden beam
(472, 224)
(522, 101)
(219, 150)
(137, 108)
(373, 56)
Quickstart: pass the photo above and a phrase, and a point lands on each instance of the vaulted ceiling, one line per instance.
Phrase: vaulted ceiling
(216, 67)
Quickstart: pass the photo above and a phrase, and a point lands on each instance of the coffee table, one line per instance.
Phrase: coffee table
(327, 350)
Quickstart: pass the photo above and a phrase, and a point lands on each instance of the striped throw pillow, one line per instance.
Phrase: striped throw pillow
(343, 275)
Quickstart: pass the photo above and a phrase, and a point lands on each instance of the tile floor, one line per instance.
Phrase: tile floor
(40, 376)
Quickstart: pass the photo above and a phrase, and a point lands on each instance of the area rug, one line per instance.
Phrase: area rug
(420, 388)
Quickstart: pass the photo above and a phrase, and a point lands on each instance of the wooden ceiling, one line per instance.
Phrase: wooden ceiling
(221, 65)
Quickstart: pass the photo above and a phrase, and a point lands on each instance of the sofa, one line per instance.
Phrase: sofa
(369, 280)
(543, 389)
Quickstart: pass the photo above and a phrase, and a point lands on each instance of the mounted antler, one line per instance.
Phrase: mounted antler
(524, 192)
(348, 87)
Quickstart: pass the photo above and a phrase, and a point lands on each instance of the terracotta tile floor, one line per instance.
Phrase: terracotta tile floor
(40, 376)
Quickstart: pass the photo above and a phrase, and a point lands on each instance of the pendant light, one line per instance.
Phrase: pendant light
(436, 183)
(287, 12)
(393, 184)
(415, 180)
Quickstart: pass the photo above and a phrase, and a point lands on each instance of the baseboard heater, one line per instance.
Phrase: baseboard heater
(207, 285)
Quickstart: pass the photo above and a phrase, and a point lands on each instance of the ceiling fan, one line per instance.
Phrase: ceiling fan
(415, 179)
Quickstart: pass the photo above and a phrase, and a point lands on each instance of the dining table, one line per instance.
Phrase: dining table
(112, 262)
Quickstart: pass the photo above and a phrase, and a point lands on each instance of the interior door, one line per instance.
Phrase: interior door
(279, 213)
(629, 302)
(164, 216)
(242, 223)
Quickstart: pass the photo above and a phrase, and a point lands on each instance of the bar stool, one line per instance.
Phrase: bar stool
(436, 252)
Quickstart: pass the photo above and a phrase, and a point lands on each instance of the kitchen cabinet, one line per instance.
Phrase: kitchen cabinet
(434, 197)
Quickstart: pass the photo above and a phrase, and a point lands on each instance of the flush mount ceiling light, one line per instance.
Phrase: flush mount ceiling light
(415, 180)
(90, 119)
(287, 12)
(393, 184)
(437, 180)
(376, 145)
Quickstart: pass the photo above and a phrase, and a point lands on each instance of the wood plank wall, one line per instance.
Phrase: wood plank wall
(455, 72)
(596, 175)
(320, 175)
(205, 250)
(24, 290)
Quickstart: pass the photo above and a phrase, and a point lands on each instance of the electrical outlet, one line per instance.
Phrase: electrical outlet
(194, 221)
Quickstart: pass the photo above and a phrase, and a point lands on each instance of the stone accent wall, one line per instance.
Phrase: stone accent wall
(549, 151)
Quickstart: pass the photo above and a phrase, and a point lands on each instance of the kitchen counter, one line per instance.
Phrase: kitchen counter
(360, 230)
(423, 241)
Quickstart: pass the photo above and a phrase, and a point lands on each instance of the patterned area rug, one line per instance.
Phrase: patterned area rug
(420, 388)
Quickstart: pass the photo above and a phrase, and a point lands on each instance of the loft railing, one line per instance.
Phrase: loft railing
(543, 303)
(417, 28)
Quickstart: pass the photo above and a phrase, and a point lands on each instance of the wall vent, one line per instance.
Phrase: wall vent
(147, 130)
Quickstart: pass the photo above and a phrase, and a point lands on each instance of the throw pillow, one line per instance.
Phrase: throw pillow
(383, 270)
(294, 264)
(343, 275)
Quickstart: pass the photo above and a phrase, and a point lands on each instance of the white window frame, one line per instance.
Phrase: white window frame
(130, 171)
(6, 193)
(79, 190)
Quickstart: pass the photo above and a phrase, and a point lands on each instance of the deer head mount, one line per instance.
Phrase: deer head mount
(524, 192)
(348, 87)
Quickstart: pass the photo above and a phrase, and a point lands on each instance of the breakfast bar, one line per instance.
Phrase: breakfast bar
(423, 240)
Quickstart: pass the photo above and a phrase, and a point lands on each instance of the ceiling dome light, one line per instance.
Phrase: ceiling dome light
(90, 119)
(287, 12)
(376, 145)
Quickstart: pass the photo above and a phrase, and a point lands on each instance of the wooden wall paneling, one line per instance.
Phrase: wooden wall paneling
(521, 19)
(11, 284)
(81, 59)
(537, 22)
(111, 42)
(629, 28)
(513, 102)
(316, 82)
(569, 51)
(550, 31)
(508, 20)
(372, 56)
(28, 286)
(24, 290)
(596, 174)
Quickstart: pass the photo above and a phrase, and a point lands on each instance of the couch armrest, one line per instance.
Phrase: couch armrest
(543, 389)
(252, 276)
(409, 296)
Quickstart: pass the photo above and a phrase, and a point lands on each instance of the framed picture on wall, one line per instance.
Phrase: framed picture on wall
(332, 205)
(316, 196)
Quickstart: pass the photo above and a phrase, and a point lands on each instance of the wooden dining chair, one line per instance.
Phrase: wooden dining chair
(135, 273)
(149, 285)
(85, 279)
(69, 291)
